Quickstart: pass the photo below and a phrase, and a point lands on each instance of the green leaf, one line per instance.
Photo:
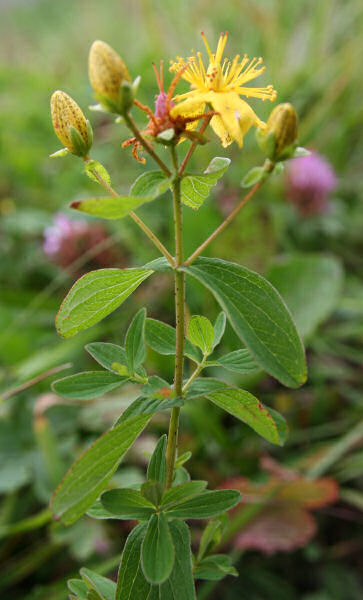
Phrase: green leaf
(156, 387)
(157, 465)
(109, 207)
(157, 551)
(212, 534)
(253, 176)
(161, 265)
(59, 153)
(201, 333)
(300, 151)
(279, 168)
(127, 504)
(180, 584)
(151, 183)
(205, 505)
(78, 587)
(182, 459)
(182, 492)
(102, 585)
(98, 511)
(219, 327)
(88, 475)
(281, 424)
(106, 354)
(93, 166)
(239, 361)
(162, 338)
(310, 285)
(148, 406)
(205, 385)
(96, 295)
(181, 475)
(215, 567)
(92, 595)
(153, 491)
(80, 148)
(132, 584)
(196, 188)
(166, 136)
(245, 407)
(134, 344)
(88, 385)
(258, 315)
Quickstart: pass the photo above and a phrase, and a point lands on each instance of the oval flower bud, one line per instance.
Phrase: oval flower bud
(106, 71)
(70, 125)
(281, 132)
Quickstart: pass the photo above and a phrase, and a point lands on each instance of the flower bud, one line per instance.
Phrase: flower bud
(106, 71)
(70, 125)
(278, 139)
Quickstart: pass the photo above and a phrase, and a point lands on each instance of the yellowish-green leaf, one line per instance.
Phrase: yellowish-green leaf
(247, 408)
(196, 188)
(88, 476)
(94, 168)
(96, 295)
(201, 333)
(110, 207)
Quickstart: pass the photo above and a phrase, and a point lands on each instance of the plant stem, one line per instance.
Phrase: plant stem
(193, 146)
(180, 323)
(132, 125)
(195, 373)
(152, 237)
(269, 168)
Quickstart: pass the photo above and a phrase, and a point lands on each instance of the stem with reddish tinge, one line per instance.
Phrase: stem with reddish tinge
(180, 326)
(132, 125)
(193, 146)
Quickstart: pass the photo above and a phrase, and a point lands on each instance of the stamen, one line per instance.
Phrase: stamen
(159, 78)
(221, 46)
(207, 45)
(265, 93)
(224, 64)
(232, 70)
(162, 74)
(201, 65)
(175, 81)
(146, 109)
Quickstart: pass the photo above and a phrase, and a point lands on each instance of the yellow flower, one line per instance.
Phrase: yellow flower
(106, 70)
(70, 125)
(221, 85)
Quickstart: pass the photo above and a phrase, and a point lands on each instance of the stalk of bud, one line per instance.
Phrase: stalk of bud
(278, 139)
(107, 74)
(70, 125)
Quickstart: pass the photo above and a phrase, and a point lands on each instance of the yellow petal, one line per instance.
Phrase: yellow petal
(191, 107)
(236, 115)
(220, 130)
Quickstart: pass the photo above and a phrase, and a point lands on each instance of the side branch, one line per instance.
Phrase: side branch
(229, 219)
(152, 237)
(194, 145)
(132, 125)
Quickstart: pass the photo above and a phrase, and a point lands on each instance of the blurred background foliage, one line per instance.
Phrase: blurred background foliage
(311, 52)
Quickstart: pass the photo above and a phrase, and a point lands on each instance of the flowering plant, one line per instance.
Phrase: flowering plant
(157, 560)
